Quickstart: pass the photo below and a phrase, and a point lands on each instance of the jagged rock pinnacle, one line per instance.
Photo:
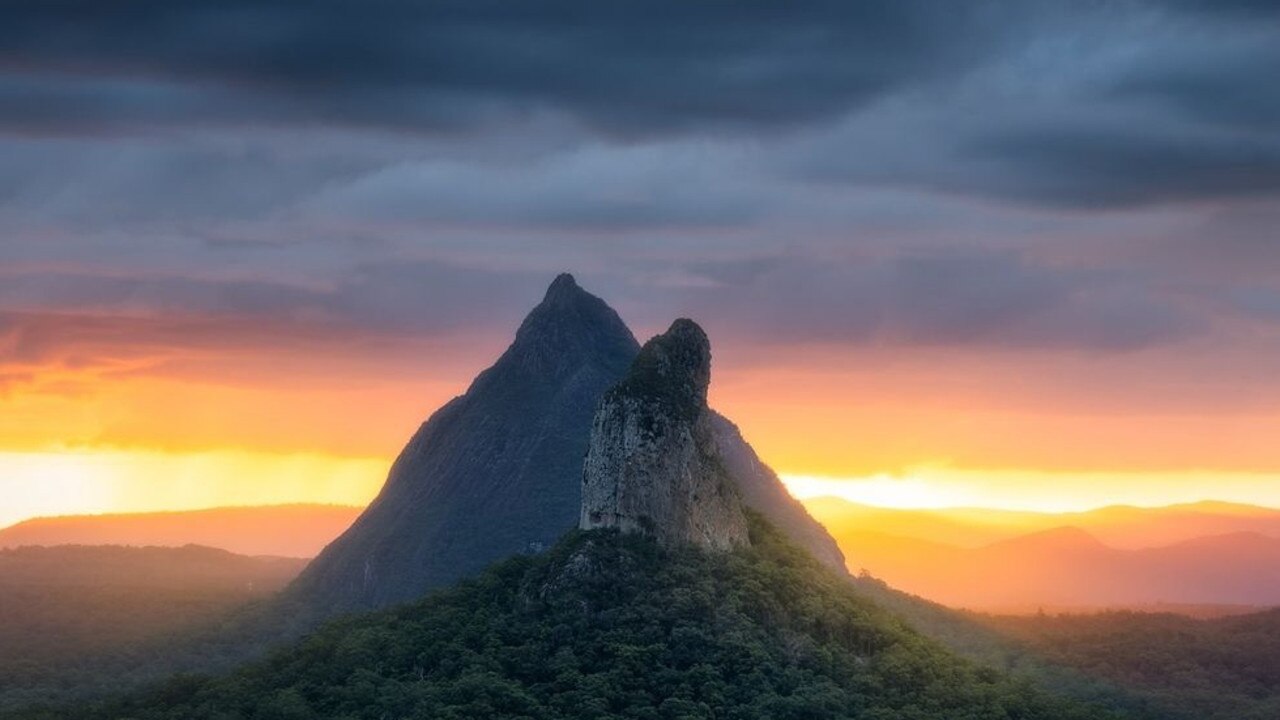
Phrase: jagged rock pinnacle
(674, 368)
(563, 286)
(653, 464)
(569, 324)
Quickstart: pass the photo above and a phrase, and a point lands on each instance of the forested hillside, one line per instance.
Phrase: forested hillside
(612, 626)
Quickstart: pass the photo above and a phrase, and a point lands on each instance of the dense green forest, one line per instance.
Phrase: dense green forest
(1219, 669)
(72, 618)
(613, 626)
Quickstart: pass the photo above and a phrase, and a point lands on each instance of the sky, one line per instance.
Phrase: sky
(1001, 253)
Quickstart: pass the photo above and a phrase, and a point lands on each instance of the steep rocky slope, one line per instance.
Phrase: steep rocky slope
(653, 464)
(662, 462)
(491, 473)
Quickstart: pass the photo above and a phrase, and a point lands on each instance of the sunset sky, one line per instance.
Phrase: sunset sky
(1003, 255)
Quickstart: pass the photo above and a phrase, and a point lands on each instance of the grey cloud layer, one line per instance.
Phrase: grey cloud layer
(626, 67)
(1082, 105)
(993, 173)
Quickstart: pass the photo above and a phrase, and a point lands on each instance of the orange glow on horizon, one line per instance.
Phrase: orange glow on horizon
(92, 481)
(1036, 491)
(884, 426)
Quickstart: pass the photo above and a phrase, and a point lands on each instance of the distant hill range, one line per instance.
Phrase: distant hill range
(1120, 526)
(1208, 554)
(1178, 551)
(298, 531)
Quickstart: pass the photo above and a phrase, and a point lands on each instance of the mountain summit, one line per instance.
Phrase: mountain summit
(493, 472)
(653, 465)
(498, 471)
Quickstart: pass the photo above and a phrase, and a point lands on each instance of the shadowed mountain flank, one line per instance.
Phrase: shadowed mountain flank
(498, 471)
(492, 473)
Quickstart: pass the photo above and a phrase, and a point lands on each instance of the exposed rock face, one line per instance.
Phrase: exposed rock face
(654, 464)
(493, 473)
(499, 470)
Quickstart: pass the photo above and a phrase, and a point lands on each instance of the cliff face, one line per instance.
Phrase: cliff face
(499, 470)
(492, 473)
(653, 464)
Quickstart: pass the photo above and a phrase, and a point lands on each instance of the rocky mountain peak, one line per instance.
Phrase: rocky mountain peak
(653, 463)
(563, 288)
(568, 328)
(494, 472)
(673, 368)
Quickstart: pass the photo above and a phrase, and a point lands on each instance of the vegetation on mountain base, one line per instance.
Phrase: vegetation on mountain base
(612, 626)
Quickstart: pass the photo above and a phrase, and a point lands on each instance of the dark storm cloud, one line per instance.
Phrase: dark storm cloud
(627, 67)
(1109, 105)
(1115, 104)
(785, 169)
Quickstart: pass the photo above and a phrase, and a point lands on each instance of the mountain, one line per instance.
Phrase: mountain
(646, 613)
(498, 470)
(1068, 567)
(1134, 528)
(653, 464)
(616, 625)
(493, 472)
(281, 530)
